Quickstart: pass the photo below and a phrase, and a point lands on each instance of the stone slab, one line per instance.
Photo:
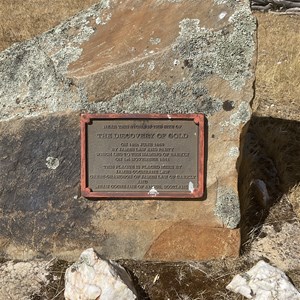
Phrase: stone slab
(202, 62)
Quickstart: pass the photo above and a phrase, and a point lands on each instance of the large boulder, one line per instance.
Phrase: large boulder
(125, 57)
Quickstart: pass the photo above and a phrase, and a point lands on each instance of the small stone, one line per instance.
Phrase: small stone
(264, 282)
(52, 163)
(94, 278)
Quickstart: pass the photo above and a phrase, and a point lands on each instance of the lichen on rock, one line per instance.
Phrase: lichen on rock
(228, 207)
(33, 73)
(93, 63)
(224, 52)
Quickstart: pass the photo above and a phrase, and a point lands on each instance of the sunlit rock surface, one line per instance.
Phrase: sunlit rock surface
(123, 57)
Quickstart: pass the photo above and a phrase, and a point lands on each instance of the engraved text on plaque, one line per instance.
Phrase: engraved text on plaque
(142, 156)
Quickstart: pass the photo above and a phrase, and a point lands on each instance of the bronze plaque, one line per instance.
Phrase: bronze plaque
(142, 156)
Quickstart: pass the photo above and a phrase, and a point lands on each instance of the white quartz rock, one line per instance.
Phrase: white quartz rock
(264, 282)
(93, 278)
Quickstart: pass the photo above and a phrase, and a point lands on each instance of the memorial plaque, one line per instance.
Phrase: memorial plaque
(142, 156)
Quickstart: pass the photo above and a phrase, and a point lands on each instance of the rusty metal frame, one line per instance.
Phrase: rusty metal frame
(86, 192)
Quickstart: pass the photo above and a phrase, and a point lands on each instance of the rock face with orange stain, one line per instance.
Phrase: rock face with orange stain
(124, 57)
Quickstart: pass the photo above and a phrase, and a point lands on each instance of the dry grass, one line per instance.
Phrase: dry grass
(55, 288)
(278, 66)
(21, 20)
(187, 281)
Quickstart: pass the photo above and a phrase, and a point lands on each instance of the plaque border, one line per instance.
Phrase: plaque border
(85, 120)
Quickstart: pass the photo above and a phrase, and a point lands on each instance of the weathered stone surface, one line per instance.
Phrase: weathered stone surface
(94, 278)
(165, 57)
(194, 242)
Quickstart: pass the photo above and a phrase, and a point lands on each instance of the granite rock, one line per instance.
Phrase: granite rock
(264, 282)
(164, 57)
(94, 278)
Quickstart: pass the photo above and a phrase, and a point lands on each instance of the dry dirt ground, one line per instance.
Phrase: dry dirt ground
(275, 235)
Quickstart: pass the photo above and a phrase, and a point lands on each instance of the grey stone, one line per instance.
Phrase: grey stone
(228, 207)
(202, 62)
